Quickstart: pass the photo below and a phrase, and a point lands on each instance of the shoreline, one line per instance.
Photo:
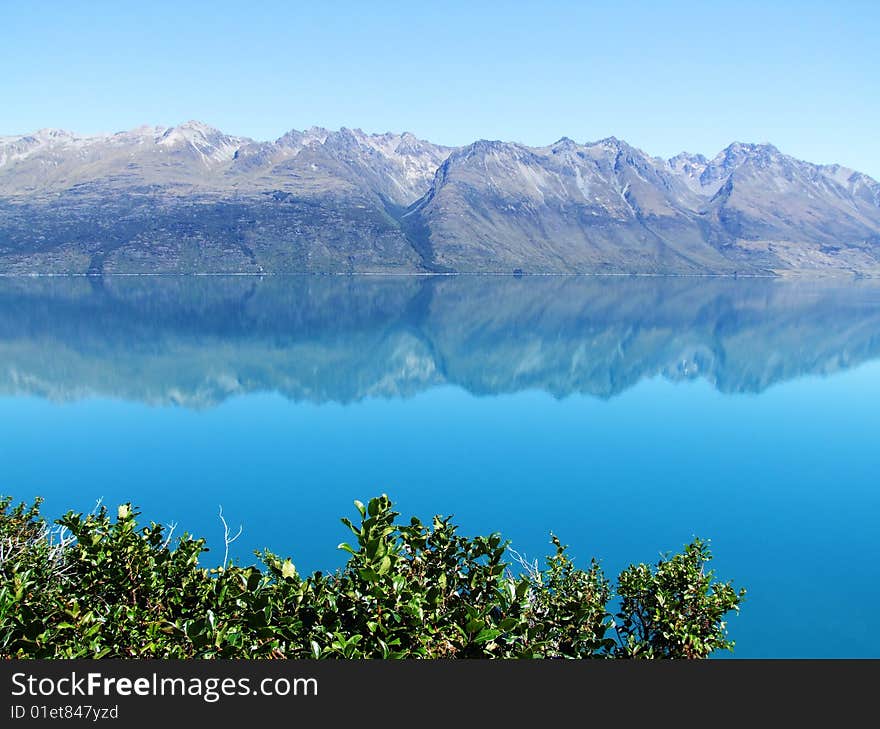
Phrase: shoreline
(802, 275)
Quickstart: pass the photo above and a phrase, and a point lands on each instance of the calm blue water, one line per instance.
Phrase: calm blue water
(625, 415)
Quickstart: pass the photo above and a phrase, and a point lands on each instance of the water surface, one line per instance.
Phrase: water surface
(626, 415)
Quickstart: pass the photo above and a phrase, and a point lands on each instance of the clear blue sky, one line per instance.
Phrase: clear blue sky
(665, 76)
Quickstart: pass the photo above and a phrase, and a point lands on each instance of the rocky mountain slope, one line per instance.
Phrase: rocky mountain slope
(192, 199)
(609, 207)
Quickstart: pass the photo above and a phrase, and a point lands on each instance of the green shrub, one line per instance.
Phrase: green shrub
(94, 586)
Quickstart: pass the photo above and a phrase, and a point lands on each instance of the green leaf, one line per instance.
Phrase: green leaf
(487, 634)
(288, 571)
(474, 625)
(354, 529)
(368, 574)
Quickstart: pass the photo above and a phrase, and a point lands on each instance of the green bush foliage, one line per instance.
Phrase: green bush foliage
(93, 586)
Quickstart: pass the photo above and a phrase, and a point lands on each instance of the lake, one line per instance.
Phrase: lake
(625, 414)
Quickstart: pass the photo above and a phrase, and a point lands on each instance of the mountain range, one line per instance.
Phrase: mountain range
(192, 199)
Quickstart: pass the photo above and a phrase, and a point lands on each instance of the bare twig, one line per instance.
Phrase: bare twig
(532, 570)
(171, 527)
(227, 540)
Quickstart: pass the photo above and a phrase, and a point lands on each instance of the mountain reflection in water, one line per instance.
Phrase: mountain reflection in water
(196, 341)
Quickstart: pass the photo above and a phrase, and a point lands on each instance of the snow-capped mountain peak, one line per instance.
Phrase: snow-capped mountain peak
(210, 144)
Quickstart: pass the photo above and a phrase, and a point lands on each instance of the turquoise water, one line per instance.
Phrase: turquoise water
(626, 415)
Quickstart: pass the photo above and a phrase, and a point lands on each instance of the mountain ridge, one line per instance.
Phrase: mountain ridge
(190, 198)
